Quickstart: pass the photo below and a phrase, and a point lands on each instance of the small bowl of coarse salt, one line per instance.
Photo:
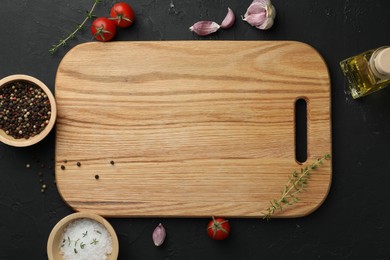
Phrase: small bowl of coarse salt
(83, 236)
(27, 110)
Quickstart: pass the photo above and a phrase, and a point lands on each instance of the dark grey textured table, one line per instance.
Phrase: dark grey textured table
(354, 221)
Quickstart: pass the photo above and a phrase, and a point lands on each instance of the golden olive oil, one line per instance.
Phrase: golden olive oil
(362, 76)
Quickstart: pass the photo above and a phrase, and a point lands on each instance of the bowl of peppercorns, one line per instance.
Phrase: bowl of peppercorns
(27, 110)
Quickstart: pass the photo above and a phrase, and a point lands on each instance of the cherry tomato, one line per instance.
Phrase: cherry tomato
(218, 229)
(103, 29)
(122, 14)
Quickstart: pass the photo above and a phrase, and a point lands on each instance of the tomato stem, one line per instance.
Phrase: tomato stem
(217, 226)
(100, 32)
(120, 17)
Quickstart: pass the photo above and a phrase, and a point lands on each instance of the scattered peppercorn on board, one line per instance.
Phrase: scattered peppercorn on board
(189, 128)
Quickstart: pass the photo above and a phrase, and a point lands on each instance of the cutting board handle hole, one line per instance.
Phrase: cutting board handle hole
(301, 130)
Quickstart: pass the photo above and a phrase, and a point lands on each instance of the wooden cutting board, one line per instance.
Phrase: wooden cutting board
(194, 128)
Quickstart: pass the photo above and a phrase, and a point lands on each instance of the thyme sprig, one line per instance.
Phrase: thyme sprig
(296, 184)
(75, 243)
(63, 42)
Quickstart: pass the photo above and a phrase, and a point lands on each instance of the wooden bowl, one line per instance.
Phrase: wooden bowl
(22, 142)
(53, 243)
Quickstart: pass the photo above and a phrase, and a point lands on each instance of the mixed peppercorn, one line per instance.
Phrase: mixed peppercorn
(25, 109)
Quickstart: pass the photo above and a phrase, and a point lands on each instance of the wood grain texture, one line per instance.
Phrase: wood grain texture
(195, 128)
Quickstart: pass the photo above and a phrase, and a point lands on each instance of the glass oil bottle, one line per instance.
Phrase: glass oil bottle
(367, 72)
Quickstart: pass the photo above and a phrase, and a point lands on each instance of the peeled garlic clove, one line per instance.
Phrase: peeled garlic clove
(203, 28)
(229, 20)
(159, 235)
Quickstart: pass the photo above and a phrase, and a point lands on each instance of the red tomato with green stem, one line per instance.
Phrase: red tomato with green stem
(122, 14)
(218, 229)
(103, 29)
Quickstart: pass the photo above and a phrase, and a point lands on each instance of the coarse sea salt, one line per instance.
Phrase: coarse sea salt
(85, 239)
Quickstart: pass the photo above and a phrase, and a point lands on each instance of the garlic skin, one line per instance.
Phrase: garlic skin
(229, 20)
(260, 14)
(159, 235)
(203, 28)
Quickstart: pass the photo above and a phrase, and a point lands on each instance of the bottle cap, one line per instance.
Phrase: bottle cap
(382, 62)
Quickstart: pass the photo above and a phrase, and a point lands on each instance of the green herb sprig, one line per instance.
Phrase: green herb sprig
(75, 243)
(296, 184)
(63, 42)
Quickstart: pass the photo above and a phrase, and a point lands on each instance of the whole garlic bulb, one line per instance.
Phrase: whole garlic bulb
(261, 14)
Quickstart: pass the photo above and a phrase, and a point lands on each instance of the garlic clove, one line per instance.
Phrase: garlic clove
(263, 3)
(256, 19)
(203, 28)
(159, 235)
(266, 25)
(255, 8)
(271, 12)
(229, 20)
